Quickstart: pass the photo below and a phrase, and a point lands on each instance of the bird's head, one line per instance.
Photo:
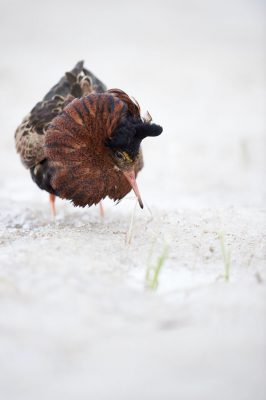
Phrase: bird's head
(125, 141)
(95, 144)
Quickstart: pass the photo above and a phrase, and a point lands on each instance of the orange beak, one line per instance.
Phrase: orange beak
(131, 177)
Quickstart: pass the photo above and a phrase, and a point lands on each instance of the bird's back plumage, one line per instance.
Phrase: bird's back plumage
(29, 135)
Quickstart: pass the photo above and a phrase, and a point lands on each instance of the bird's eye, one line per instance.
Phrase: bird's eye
(119, 155)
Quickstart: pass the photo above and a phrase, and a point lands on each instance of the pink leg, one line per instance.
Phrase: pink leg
(101, 209)
(52, 203)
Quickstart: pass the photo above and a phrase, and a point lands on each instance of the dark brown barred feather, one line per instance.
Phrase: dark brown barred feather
(75, 142)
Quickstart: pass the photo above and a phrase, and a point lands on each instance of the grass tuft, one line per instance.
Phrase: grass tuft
(226, 254)
(153, 271)
(129, 234)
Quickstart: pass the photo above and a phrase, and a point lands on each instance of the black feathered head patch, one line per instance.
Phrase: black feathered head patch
(130, 132)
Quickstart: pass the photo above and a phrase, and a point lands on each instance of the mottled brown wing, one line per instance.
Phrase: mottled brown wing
(29, 144)
(78, 82)
(29, 136)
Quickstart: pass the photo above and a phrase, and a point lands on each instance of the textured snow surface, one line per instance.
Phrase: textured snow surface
(77, 320)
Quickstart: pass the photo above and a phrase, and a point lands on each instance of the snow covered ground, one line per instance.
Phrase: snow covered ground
(77, 318)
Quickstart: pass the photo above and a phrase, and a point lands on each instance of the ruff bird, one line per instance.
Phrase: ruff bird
(82, 142)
